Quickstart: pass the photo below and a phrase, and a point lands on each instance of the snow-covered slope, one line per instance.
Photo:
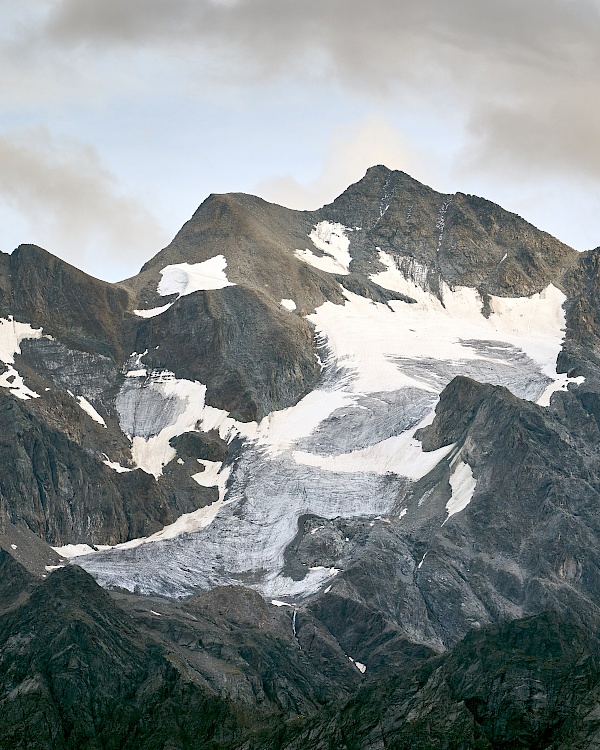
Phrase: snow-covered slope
(346, 449)
(266, 378)
(380, 421)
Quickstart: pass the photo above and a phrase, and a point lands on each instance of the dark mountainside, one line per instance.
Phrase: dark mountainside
(476, 629)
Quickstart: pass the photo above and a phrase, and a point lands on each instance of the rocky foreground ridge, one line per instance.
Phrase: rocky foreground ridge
(337, 472)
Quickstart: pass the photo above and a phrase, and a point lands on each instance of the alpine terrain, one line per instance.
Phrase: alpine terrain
(312, 479)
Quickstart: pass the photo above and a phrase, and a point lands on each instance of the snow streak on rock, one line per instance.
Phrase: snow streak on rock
(440, 224)
(115, 465)
(90, 411)
(153, 312)
(463, 485)
(331, 239)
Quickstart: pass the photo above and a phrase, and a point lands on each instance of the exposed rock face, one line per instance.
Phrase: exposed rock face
(383, 415)
(506, 686)
(517, 548)
(253, 357)
(76, 673)
(462, 239)
(61, 491)
(82, 312)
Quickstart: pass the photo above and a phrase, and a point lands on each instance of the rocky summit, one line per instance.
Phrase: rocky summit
(312, 479)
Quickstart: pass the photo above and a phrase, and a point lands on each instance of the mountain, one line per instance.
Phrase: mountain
(328, 467)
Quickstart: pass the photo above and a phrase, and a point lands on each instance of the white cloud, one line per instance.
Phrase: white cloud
(73, 206)
(352, 151)
(519, 80)
(524, 74)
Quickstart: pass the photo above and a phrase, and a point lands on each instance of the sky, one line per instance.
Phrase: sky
(119, 117)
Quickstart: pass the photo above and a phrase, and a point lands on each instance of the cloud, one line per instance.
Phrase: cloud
(538, 135)
(73, 206)
(523, 75)
(380, 40)
(352, 151)
(522, 78)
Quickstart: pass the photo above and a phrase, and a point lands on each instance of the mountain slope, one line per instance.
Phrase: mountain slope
(531, 683)
(304, 450)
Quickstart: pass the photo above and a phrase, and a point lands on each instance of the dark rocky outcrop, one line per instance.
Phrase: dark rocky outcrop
(581, 350)
(527, 541)
(82, 312)
(461, 239)
(205, 445)
(64, 492)
(225, 670)
(75, 673)
(251, 652)
(531, 683)
(253, 358)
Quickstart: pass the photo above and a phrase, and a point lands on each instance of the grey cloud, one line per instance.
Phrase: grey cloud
(75, 207)
(547, 130)
(525, 74)
(381, 35)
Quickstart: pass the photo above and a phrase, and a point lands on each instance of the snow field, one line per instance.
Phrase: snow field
(11, 335)
(283, 472)
(330, 238)
(186, 278)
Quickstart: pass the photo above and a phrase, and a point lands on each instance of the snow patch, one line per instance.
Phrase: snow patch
(11, 335)
(401, 455)
(289, 304)
(90, 411)
(186, 278)
(330, 238)
(114, 465)
(154, 311)
(279, 430)
(210, 476)
(463, 485)
(560, 384)
(70, 551)
(361, 667)
(14, 382)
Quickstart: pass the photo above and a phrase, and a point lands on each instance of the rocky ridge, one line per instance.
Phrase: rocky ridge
(382, 414)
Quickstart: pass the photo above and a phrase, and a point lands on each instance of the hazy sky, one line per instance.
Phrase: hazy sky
(119, 117)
